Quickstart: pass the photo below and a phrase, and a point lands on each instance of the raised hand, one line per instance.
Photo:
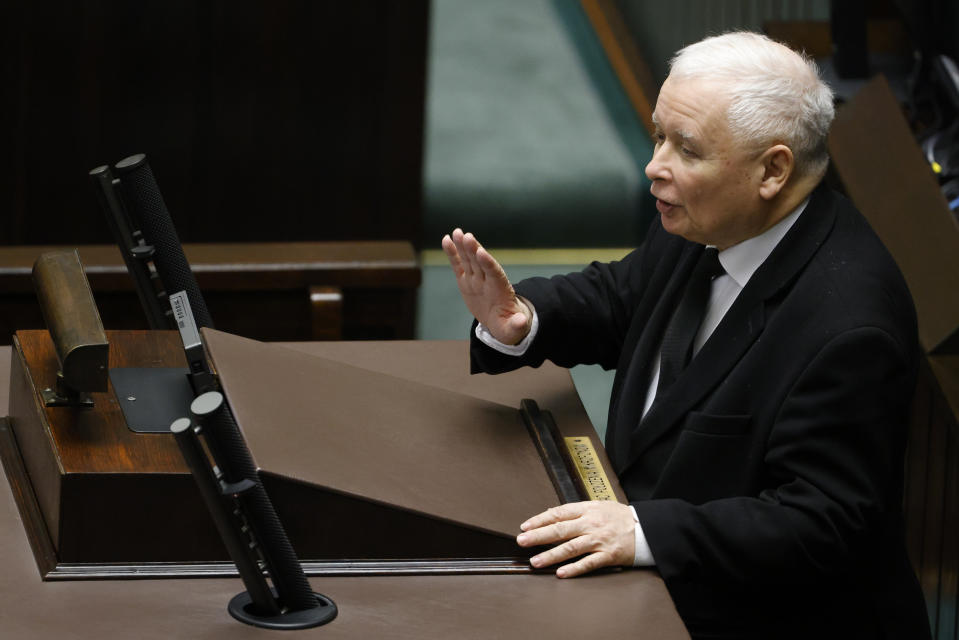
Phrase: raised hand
(486, 290)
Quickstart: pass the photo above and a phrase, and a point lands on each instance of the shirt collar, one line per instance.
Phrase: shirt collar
(741, 261)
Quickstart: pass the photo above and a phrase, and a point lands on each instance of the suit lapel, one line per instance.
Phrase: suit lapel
(734, 335)
(738, 330)
(641, 345)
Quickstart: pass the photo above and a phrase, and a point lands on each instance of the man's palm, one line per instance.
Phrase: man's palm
(486, 290)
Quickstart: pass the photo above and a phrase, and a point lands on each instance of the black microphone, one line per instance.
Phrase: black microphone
(145, 204)
(136, 253)
(237, 468)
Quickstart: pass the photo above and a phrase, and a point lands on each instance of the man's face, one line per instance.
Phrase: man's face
(706, 186)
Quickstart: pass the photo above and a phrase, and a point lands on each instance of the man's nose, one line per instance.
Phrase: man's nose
(656, 167)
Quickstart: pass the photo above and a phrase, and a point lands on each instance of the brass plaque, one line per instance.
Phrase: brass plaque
(591, 472)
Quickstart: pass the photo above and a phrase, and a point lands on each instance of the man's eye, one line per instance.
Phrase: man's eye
(688, 152)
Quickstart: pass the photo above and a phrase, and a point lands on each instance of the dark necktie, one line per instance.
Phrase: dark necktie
(682, 329)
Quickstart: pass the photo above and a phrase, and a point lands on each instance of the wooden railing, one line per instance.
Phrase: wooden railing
(265, 291)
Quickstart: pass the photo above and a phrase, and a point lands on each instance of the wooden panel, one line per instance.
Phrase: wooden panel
(42, 463)
(34, 524)
(949, 564)
(240, 266)
(883, 35)
(940, 565)
(98, 441)
(933, 537)
(891, 183)
(917, 454)
(285, 120)
(258, 290)
(624, 57)
(326, 306)
(85, 466)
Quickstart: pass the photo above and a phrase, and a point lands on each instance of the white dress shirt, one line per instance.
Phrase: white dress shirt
(739, 262)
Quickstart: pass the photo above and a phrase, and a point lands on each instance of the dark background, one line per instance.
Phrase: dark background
(279, 120)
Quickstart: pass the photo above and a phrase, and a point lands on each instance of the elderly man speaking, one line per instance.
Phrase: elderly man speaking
(765, 348)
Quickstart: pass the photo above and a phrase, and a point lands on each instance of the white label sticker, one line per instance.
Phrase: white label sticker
(183, 315)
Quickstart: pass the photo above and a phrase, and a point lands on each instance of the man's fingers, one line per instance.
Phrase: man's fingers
(478, 266)
(466, 254)
(460, 242)
(553, 514)
(491, 268)
(470, 242)
(592, 562)
(593, 557)
(452, 244)
(464, 250)
(569, 549)
(550, 533)
(452, 255)
(556, 524)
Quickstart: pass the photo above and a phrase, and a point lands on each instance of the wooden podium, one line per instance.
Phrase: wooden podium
(443, 599)
(381, 465)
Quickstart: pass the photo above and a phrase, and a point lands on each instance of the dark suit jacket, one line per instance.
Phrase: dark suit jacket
(768, 478)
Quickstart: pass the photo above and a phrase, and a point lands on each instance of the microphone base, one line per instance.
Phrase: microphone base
(324, 611)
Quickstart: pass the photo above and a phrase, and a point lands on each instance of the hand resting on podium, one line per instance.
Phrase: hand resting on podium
(602, 532)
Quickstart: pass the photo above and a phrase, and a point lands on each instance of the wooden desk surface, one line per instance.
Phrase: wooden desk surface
(633, 603)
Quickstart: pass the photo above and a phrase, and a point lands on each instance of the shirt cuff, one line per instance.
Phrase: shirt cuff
(484, 336)
(642, 555)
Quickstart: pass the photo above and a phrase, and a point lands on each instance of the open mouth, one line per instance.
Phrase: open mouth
(664, 207)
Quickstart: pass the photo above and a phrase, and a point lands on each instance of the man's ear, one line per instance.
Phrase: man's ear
(778, 165)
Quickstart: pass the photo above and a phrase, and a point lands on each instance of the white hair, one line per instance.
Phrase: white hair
(776, 95)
